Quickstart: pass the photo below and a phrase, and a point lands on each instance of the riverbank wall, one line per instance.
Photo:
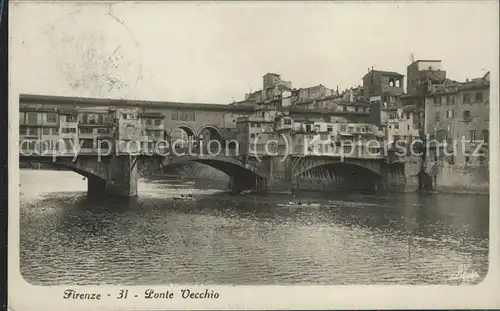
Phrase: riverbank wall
(445, 178)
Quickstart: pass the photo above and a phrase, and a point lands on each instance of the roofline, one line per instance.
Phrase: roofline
(385, 72)
(428, 60)
(87, 101)
(272, 73)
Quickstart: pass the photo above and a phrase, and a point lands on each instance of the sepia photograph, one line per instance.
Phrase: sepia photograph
(246, 143)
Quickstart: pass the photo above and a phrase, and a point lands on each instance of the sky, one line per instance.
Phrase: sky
(216, 52)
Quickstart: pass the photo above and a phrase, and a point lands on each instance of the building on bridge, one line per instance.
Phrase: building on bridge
(90, 122)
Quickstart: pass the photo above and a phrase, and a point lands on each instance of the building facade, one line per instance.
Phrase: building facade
(457, 127)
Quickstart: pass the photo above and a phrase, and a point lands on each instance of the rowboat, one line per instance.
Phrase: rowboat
(298, 204)
(188, 197)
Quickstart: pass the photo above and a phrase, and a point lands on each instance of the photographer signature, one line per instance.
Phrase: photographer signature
(465, 275)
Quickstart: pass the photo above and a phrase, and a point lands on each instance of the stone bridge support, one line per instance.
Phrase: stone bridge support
(399, 177)
(106, 176)
(120, 178)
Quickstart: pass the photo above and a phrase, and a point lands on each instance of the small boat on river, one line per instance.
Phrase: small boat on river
(299, 204)
(188, 197)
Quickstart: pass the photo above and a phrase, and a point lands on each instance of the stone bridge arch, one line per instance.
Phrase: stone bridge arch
(212, 130)
(181, 133)
(86, 168)
(354, 174)
(302, 165)
(243, 176)
(96, 172)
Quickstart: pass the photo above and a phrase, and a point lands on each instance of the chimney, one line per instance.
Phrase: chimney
(351, 96)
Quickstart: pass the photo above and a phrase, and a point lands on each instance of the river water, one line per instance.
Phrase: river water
(352, 238)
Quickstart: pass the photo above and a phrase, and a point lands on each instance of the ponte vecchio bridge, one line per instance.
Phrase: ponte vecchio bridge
(108, 141)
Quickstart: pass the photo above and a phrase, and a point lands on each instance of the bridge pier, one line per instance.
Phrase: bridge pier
(255, 183)
(396, 177)
(96, 187)
(120, 179)
(122, 176)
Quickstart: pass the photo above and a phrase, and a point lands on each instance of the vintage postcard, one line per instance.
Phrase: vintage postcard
(253, 155)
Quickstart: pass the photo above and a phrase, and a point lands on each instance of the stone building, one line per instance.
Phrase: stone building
(423, 73)
(457, 128)
(379, 82)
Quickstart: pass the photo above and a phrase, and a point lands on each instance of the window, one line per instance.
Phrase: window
(86, 130)
(329, 129)
(408, 115)
(449, 113)
(51, 117)
(344, 108)
(288, 122)
(467, 116)
(343, 128)
(158, 122)
(482, 159)
(396, 126)
(252, 135)
(444, 100)
(32, 118)
(438, 116)
(148, 121)
(479, 96)
(175, 115)
(46, 131)
(71, 118)
(407, 127)
(103, 131)
(437, 100)
(100, 119)
(87, 143)
(451, 100)
(308, 128)
(72, 130)
(486, 136)
(104, 144)
(472, 135)
(467, 159)
(398, 83)
(451, 160)
(55, 131)
(466, 98)
(22, 131)
(69, 144)
(31, 131)
(350, 129)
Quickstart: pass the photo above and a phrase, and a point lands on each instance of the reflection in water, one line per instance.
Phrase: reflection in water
(67, 238)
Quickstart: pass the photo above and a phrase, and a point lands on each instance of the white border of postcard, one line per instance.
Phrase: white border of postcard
(23, 296)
